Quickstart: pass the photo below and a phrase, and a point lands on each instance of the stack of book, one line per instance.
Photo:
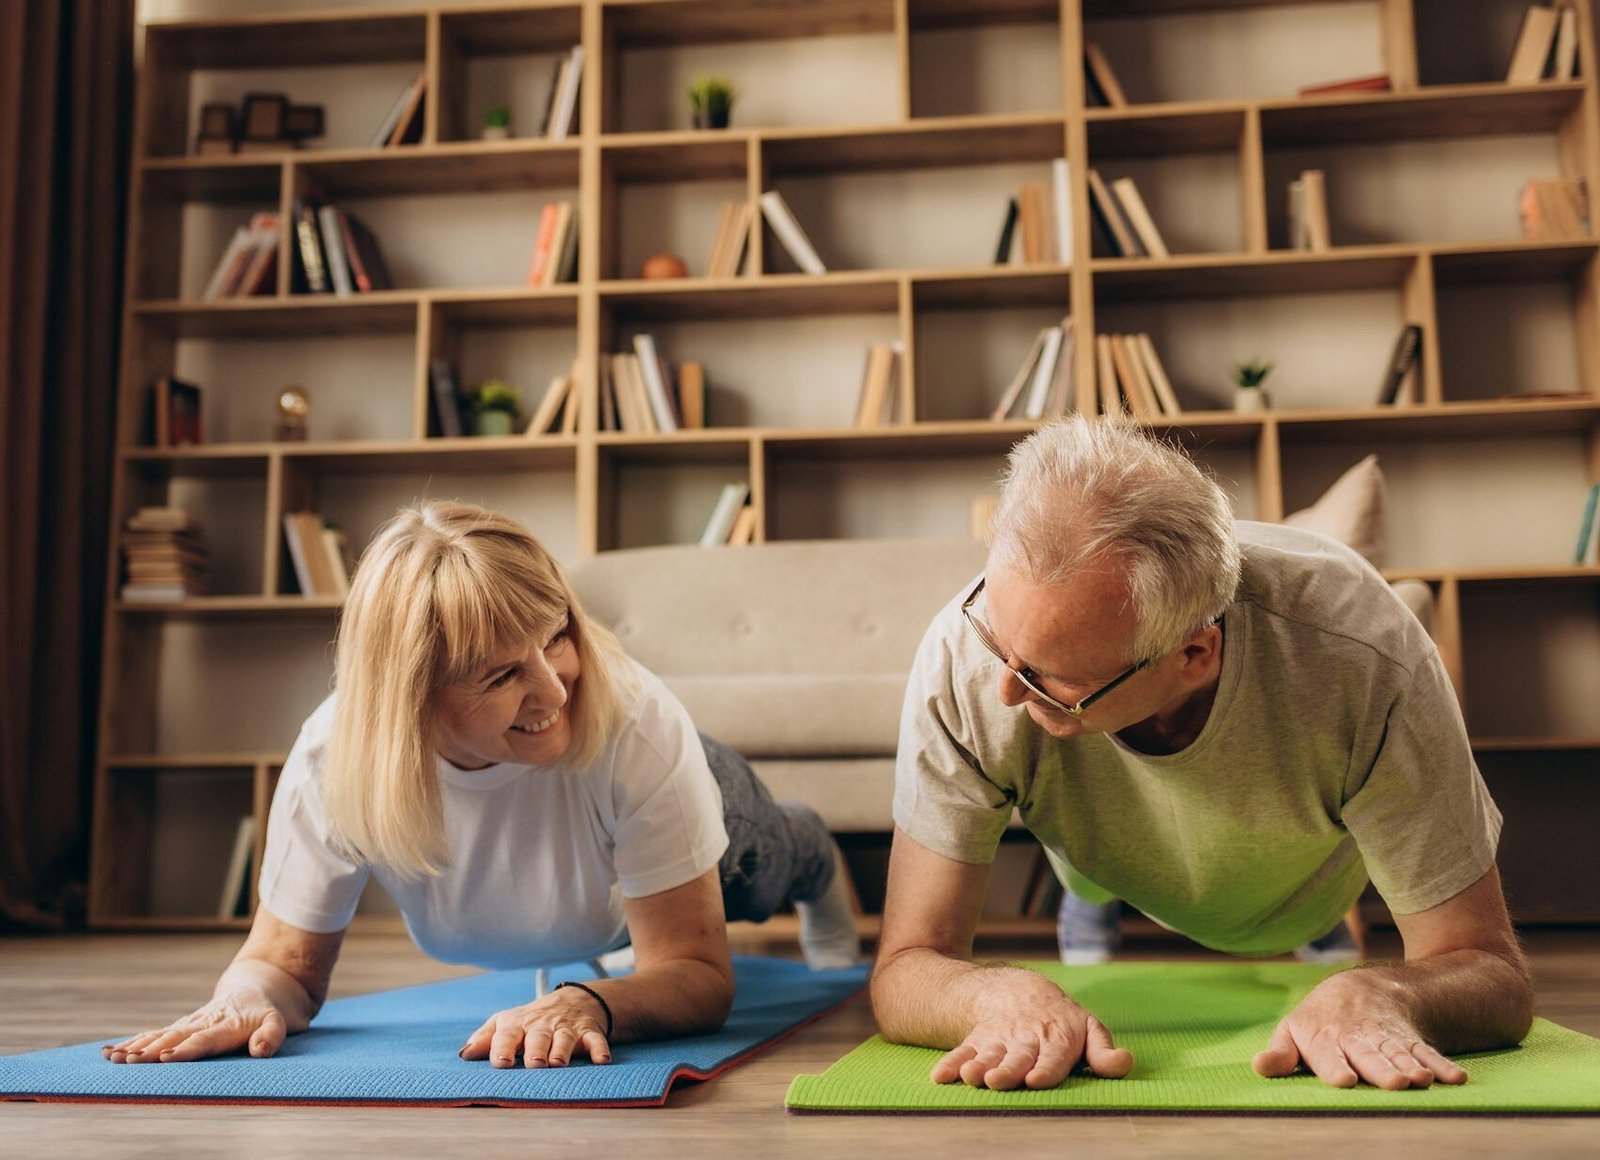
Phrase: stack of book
(1122, 220)
(1131, 380)
(1554, 211)
(1038, 222)
(732, 520)
(164, 555)
(1042, 388)
(1308, 211)
(1547, 46)
(334, 252)
(249, 263)
(645, 394)
(732, 240)
(555, 246)
(317, 552)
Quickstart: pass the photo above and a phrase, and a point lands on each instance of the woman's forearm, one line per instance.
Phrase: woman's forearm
(682, 997)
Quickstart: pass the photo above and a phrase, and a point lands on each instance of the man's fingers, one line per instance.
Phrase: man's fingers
(1373, 1064)
(1445, 1069)
(1056, 1060)
(984, 1060)
(1281, 1056)
(1105, 1058)
(1011, 1069)
(948, 1069)
(1326, 1058)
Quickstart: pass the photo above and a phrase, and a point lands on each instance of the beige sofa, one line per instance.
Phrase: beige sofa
(796, 654)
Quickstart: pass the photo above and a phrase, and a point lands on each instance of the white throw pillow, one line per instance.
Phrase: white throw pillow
(1352, 511)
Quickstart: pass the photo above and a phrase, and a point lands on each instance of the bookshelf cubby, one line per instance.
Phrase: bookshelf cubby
(896, 130)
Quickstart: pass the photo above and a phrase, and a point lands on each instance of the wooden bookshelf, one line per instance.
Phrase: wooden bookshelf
(923, 116)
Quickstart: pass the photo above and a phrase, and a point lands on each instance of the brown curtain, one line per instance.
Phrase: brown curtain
(65, 93)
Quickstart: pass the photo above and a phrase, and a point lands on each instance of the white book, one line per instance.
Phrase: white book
(1061, 207)
(243, 236)
(238, 872)
(656, 387)
(1043, 373)
(567, 99)
(381, 137)
(1023, 376)
(1062, 397)
(333, 251)
(724, 514)
(790, 234)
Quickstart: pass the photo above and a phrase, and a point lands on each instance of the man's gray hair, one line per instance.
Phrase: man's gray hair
(1084, 493)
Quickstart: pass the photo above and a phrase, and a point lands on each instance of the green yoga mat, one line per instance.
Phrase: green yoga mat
(1193, 1029)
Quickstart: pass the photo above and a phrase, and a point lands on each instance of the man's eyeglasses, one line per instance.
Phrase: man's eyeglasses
(1026, 675)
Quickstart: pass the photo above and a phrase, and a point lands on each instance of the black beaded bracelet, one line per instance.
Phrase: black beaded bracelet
(595, 995)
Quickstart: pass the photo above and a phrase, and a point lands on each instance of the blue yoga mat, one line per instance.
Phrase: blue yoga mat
(399, 1047)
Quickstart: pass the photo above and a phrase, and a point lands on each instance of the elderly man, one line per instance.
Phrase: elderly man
(1229, 725)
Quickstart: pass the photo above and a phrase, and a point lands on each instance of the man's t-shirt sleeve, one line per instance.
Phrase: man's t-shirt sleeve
(1421, 815)
(943, 798)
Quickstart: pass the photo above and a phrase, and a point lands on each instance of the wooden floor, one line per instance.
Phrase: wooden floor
(69, 990)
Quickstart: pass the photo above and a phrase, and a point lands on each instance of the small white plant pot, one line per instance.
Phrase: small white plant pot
(496, 133)
(1247, 400)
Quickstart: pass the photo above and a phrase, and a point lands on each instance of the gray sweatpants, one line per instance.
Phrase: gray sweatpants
(777, 852)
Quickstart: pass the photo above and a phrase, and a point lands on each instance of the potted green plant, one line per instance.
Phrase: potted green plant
(711, 102)
(497, 123)
(494, 406)
(1248, 394)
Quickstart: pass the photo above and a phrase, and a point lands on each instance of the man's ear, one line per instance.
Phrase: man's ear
(1202, 653)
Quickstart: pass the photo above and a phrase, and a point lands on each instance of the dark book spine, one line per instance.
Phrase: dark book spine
(1401, 363)
(1002, 250)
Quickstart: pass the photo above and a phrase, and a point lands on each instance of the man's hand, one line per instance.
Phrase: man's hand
(1353, 1027)
(1030, 1034)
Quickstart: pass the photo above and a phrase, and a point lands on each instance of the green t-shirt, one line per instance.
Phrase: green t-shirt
(1335, 749)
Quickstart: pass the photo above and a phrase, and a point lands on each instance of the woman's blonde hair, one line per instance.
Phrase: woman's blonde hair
(1084, 493)
(442, 587)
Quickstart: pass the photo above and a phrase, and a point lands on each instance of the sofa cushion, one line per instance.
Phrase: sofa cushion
(1352, 511)
(796, 714)
(798, 608)
(852, 794)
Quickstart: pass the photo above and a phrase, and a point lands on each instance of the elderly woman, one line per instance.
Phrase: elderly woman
(528, 795)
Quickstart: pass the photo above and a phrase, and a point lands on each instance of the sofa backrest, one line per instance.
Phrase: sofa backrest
(795, 649)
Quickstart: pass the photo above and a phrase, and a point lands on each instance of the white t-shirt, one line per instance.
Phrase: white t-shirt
(1334, 750)
(542, 856)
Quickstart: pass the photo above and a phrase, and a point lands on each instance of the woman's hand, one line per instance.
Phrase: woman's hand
(229, 1022)
(545, 1033)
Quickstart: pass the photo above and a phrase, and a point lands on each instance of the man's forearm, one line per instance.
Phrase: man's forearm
(1467, 1000)
(928, 999)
